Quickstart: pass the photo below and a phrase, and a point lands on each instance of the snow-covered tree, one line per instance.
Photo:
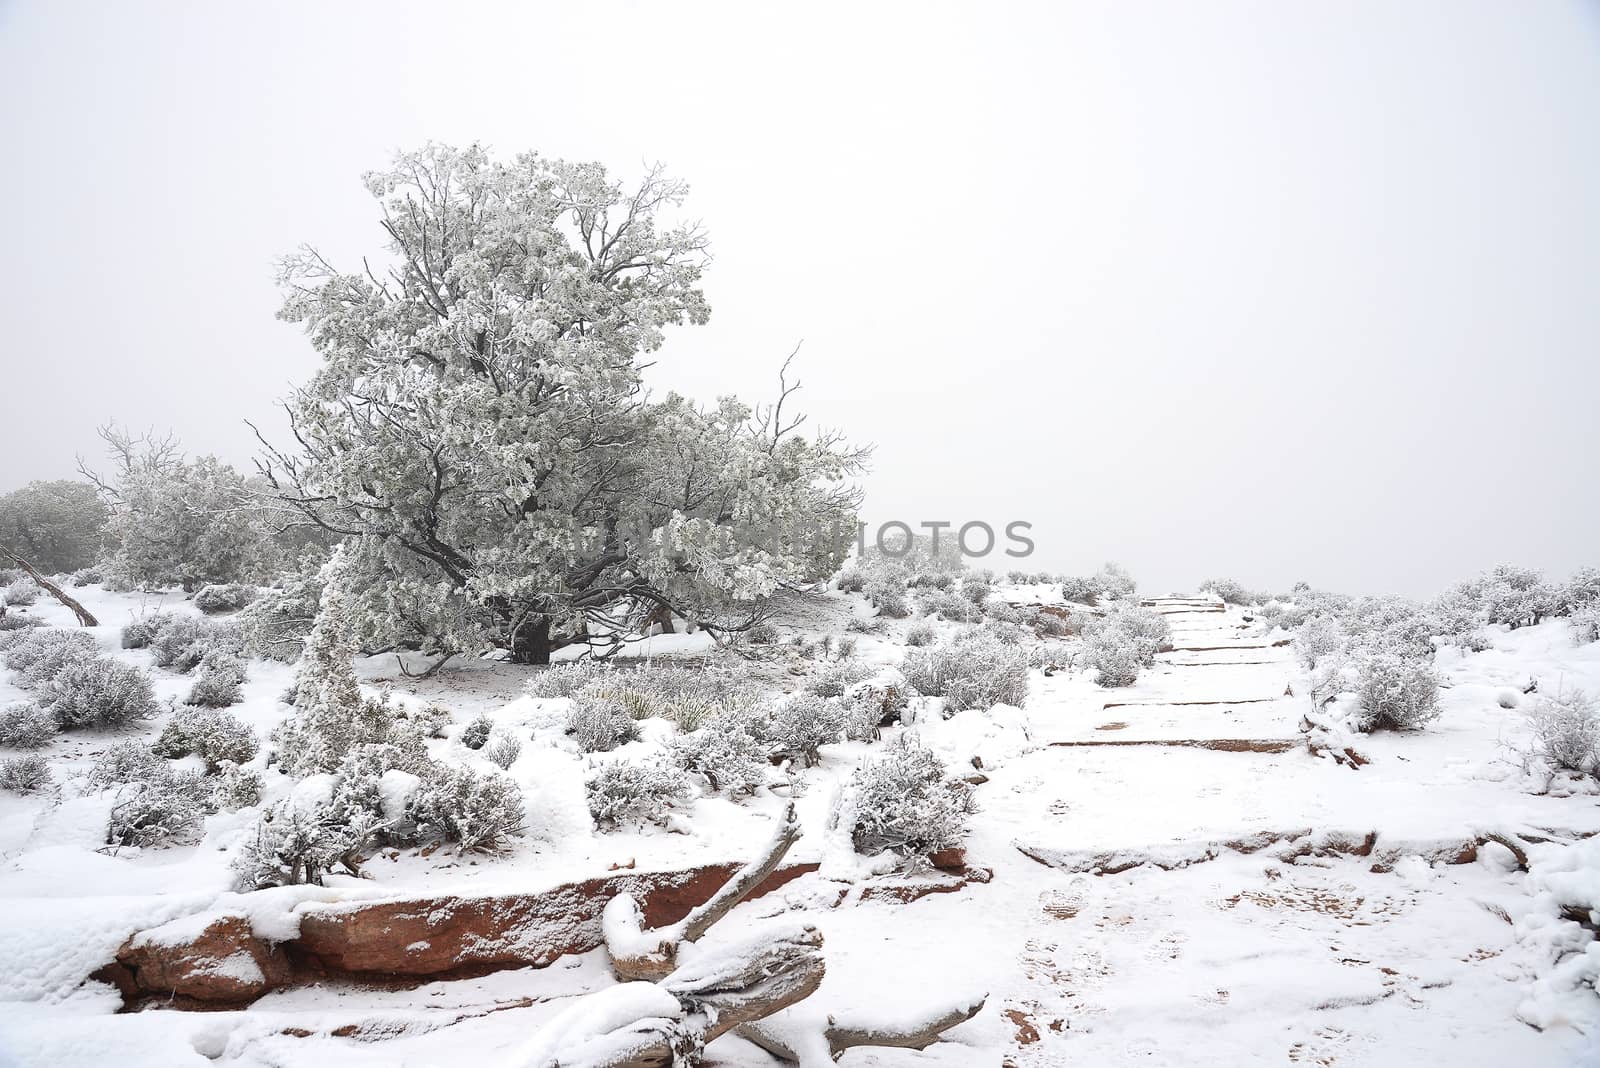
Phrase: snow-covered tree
(480, 417)
(330, 715)
(179, 522)
(55, 526)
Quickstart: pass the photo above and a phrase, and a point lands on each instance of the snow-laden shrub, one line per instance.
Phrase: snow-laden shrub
(976, 592)
(1317, 639)
(277, 623)
(87, 576)
(1232, 592)
(938, 580)
(293, 843)
(1113, 655)
(126, 762)
(623, 791)
(876, 702)
(233, 788)
(904, 802)
(220, 682)
(477, 812)
(1585, 624)
(565, 680)
(799, 725)
(762, 633)
(921, 633)
(1390, 625)
(21, 593)
(1112, 580)
(166, 810)
(39, 655)
(15, 621)
(1080, 589)
(947, 604)
(24, 774)
(1395, 692)
(851, 580)
(602, 718)
(143, 630)
(475, 735)
(26, 726)
(728, 751)
(834, 678)
(98, 692)
(503, 749)
(1566, 729)
(430, 720)
(183, 642)
(888, 597)
(971, 670)
(229, 597)
(1582, 590)
(214, 736)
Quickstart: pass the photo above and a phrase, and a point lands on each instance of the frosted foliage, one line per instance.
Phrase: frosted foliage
(503, 750)
(26, 726)
(290, 844)
(21, 593)
(802, 723)
(497, 373)
(38, 655)
(214, 736)
(623, 791)
(1126, 639)
(477, 812)
(165, 809)
(226, 597)
(1317, 639)
(98, 692)
(972, 670)
(904, 802)
(24, 774)
(1566, 729)
(601, 719)
(55, 526)
(727, 751)
(1395, 692)
(178, 522)
(330, 716)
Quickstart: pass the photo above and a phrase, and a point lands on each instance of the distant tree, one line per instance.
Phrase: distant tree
(179, 522)
(55, 526)
(480, 419)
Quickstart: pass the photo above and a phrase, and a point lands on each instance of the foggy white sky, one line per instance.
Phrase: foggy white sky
(1245, 289)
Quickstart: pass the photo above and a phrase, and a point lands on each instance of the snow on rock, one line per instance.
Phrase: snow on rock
(598, 1027)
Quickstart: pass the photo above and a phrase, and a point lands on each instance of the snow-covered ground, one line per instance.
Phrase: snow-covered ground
(1212, 956)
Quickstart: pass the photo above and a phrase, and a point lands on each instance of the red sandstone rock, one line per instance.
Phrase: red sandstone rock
(224, 963)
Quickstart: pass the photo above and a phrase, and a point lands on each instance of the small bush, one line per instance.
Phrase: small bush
(1566, 730)
(24, 774)
(623, 791)
(875, 703)
(1113, 581)
(728, 752)
(834, 678)
(21, 593)
(921, 633)
(947, 604)
(215, 599)
(565, 680)
(1232, 592)
(290, 845)
(39, 655)
(976, 592)
(503, 750)
(1126, 639)
(185, 642)
(1080, 589)
(98, 693)
(1317, 639)
(477, 812)
(234, 788)
(26, 726)
(602, 719)
(800, 724)
(888, 597)
(1395, 692)
(17, 621)
(476, 734)
(851, 580)
(142, 631)
(904, 802)
(220, 684)
(168, 810)
(127, 762)
(973, 670)
(216, 737)
(88, 576)
(1585, 624)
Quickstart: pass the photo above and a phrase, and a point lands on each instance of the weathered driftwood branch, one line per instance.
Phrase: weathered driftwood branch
(815, 1043)
(84, 618)
(637, 953)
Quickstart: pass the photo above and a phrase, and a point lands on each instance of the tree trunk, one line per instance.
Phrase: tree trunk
(85, 619)
(530, 642)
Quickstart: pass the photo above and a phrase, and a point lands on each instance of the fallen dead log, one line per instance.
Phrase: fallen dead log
(1220, 745)
(85, 619)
